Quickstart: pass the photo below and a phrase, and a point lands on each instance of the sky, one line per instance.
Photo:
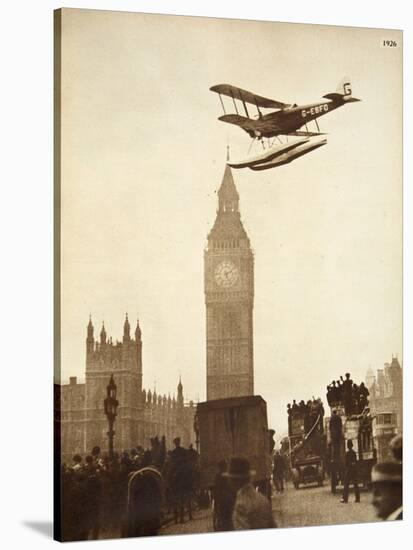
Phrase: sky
(143, 156)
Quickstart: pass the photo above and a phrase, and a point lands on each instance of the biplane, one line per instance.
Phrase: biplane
(285, 119)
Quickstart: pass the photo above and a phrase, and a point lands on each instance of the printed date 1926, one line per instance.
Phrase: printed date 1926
(389, 43)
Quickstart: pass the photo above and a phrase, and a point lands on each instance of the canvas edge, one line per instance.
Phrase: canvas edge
(57, 71)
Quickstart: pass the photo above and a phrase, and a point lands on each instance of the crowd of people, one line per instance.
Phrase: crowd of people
(309, 411)
(134, 492)
(345, 392)
(97, 490)
(115, 495)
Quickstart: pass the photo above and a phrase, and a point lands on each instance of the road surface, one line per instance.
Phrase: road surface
(317, 506)
(306, 506)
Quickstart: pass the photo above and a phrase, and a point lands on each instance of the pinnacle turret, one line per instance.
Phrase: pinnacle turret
(126, 329)
(90, 329)
(103, 334)
(180, 397)
(138, 332)
(90, 340)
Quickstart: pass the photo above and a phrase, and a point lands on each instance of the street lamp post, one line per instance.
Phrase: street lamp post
(196, 430)
(110, 405)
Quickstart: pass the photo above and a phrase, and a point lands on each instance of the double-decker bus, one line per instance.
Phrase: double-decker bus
(384, 429)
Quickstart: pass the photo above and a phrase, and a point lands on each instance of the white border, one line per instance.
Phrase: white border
(26, 275)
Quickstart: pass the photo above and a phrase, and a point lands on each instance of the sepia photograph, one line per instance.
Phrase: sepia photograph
(228, 274)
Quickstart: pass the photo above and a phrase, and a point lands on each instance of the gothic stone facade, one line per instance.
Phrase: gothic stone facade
(141, 415)
(229, 299)
(386, 390)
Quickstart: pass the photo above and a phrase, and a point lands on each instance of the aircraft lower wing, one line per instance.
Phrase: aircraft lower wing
(244, 122)
(302, 133)
(259, 127)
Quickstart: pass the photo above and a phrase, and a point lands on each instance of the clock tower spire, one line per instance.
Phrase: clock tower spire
(229, 299)
(227, 193)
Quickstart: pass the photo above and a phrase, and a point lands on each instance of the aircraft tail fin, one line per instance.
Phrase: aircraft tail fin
(343, 92)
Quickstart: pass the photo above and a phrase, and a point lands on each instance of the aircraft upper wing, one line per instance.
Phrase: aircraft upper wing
(248, 97)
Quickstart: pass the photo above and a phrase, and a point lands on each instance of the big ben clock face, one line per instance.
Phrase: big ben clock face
(226, 274)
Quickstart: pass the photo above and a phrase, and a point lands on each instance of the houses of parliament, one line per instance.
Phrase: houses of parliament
(229, 298)
(141, 414)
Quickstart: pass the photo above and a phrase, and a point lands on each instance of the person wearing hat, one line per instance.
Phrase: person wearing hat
(396, 447)
(251, 509)
(336, 426)
(180, 481)
(386, 478)
(347, 389)
(350, 473)
(93, 497)
(95, 451)
(96, 457)
(278, 472)
(77, 463)
(224, 499)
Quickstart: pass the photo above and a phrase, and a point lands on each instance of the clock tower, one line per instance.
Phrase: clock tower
(229, 299)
